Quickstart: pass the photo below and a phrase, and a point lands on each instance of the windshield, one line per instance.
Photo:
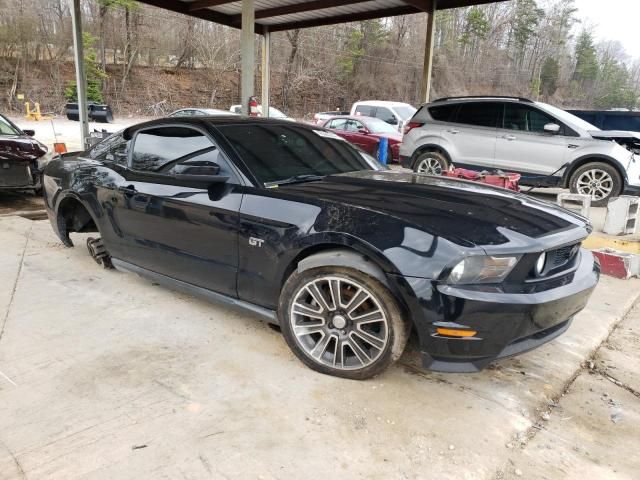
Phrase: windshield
(6, 128)
(376, 125)
(405, 111)
(276, 153)
(567, 117)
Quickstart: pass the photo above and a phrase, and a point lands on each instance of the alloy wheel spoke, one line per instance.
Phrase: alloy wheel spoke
(358, 299)
(321, 346)
(302, 330)
(338, 354)
(318, 296)
(358, 351)
(369, 317)
(306, 311)
(369, 338)
(336, 297)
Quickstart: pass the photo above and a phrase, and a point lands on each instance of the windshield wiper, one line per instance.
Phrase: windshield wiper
(309, 177)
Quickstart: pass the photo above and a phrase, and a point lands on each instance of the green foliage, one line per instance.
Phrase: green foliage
(587, 68)
(118, 3)
(549, 76)
(526, 22)
(477, 26)
(615, 87)
(94, 73)
(367, 35)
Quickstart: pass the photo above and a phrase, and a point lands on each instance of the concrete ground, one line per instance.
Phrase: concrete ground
(106, 375)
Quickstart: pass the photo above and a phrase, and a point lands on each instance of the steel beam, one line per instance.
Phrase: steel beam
(248, 54)
(266, 70)
(425, 86)
(81, 78)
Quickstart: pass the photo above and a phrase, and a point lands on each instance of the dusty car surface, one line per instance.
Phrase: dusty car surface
(293, 223)
(21, 157)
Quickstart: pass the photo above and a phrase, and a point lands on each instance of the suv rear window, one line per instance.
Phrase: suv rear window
(480, 114)
(442, 112)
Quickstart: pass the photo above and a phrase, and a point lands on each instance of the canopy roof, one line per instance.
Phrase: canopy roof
(278, 15)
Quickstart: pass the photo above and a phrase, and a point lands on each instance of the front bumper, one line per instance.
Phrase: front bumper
(507, 324)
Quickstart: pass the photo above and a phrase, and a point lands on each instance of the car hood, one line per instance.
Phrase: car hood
(469, 214)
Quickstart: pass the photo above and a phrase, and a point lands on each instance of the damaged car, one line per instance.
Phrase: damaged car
(548, 146)
(294, 224)
(22, 158)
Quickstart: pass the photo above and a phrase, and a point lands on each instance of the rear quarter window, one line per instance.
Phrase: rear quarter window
(443, 113)
(365, 110)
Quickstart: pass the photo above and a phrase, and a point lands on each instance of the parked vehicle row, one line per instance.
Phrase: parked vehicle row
(293, 223)
(546, 145)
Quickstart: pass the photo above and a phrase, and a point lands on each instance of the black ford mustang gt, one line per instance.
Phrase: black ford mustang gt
(293, 223)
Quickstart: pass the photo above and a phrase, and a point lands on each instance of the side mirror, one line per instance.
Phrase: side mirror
(552, 128)
(363, 131)
(392, 120)
(29, 133)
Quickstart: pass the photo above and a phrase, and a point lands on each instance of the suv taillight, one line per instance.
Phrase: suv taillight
(411, 125)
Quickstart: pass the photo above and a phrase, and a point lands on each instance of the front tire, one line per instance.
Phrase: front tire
(431, 163)
(599, 180)
(342, 322)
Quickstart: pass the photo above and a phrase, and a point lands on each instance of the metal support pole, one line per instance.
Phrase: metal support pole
(81, 79)
(425, 87)
(266, 71)
(248, 54)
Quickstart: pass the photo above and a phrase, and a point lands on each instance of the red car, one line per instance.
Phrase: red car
(21, 157)
(366, 132)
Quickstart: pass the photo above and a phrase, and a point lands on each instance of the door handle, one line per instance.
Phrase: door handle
(509, 137)
(453, 131)
(572, 146)
(128, 190)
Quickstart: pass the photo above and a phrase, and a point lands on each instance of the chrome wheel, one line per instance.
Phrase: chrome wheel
(430, 166)
(339, 323)
(596, 183)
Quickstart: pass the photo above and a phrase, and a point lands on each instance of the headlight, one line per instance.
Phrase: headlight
(542, 259)
(481, 269)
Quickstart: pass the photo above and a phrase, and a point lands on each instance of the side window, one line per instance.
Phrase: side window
(526, 119)
(6, 128)
(442, 113)
(353, 126)
(157, 149)
(113, 149)
(338, 124)
(480, 114)
(384, 114)
(365, 110)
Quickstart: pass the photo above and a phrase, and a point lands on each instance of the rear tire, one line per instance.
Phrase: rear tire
(342, 322)
(599, 180)
(431, 163)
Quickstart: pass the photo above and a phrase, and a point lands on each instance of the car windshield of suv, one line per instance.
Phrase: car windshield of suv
(278, 154)
(379, 126)
(6, 128)
(567, 117)
(405, 111)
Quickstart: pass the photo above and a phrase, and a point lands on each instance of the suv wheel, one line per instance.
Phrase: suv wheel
(431, 163)
(599, 180)
(342, 322)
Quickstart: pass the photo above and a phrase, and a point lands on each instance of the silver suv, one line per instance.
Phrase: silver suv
(548, 146)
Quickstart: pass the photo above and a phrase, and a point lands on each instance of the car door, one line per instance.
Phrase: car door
(354, 130)
(524, 146)
(471, 138)
(189, 233)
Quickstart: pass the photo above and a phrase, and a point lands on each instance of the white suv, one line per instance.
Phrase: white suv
(394, 113)
(548, 146)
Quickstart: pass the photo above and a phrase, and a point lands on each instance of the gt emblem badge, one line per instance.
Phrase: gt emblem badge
(255, 242)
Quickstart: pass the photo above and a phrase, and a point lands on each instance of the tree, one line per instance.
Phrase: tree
(586, 70)
(549, 76)
(94, 73)
(525, 24)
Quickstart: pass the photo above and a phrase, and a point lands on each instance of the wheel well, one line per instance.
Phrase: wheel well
(429, 148)
(583, 161)
(73, 217)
